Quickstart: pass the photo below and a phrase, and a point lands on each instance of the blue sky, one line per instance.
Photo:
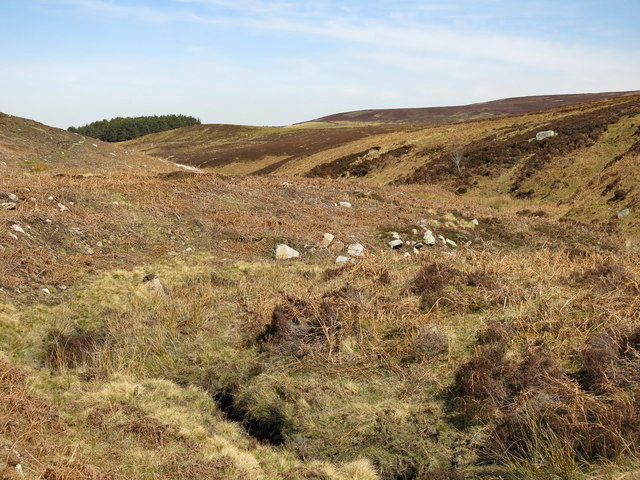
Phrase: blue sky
(277, 62)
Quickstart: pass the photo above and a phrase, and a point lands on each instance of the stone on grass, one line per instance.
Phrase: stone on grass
(8, 205)
(327, 239)
(356, 250)
(545, 134)
(345, 204)
(623, 213)
(17, 228)
(428, 238)
(153, 286)
(395, 244)
(451, 243)
(285, 252)
(475, 222)
(342, 259)
(62, 207)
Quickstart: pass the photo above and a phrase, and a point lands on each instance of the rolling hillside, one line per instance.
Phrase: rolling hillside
(437, 323)
(499, 157)
(495, 108)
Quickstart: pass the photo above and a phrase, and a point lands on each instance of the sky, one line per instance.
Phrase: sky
(279, 62)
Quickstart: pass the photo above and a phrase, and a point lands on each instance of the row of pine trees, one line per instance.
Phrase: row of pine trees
(120, 129)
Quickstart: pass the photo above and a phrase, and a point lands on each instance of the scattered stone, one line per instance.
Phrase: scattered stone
(112, 154)
(46, 291)
(395, 235)
(62, 207)
(13, 235)
(327, 238)
(95, 145)
(17, 228)
(188, 250)
(428, 238)
(451, 243)
(345, 204)
(88, 249)
(99, 244)
(442, 239)
(8, 205)
(415, 250)
(407, 254)
(545, 134)
(396, 244)
(342, 259)
(50, 198)
(419, 245)
(285, 252)
(153, 286)
(414, 231)
(356, 250)
(286, 184)
(475, 222)
(623, 213)
(13, 197)
(48, 220)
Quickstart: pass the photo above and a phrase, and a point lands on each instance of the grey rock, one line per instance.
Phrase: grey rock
(8, 205)
(396, 244)
(345, 204)
(356, 250)
(428, 238)
(623, 213)
(545, 134)
(342, 260)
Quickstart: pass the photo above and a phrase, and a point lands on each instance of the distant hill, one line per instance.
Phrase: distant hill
(507, 106)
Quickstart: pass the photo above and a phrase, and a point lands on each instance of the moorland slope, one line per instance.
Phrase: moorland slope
(147, 331)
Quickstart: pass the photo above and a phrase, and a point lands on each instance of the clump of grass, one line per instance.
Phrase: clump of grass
(430, 282)
(70, 350)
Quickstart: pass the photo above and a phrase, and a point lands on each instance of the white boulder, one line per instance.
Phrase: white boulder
(428, 238)
(327, 239)
(356, 250)
(545, 134)
(285, 252)
(395, 244)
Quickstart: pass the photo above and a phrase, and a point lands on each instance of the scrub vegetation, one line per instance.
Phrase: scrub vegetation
(147, 331)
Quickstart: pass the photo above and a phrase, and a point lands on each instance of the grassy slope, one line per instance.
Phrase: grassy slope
(373, 370)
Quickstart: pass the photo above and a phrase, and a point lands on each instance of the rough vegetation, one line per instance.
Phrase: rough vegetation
(146, 330)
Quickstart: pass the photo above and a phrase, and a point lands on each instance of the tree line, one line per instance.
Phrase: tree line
(120, 129)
